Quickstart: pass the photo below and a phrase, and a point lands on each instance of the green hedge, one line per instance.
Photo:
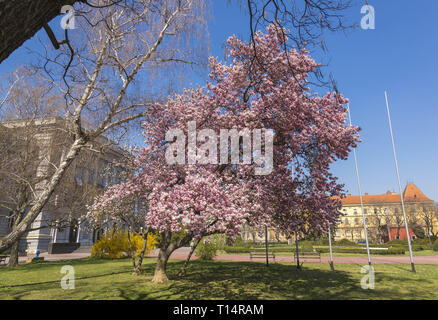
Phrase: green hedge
(260, 249)
(351, 250)
(406, 247)
(236, 250)
(391, 251)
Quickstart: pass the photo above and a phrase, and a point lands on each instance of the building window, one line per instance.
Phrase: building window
(365, 211)
(10, 222)
(346, 221)
(355, 211)
(79, 180)
(356, 221)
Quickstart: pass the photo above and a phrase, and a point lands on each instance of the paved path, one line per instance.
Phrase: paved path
(181, 254)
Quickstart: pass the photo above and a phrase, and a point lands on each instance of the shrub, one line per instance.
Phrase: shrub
(421, 241)
(206, 250)
(219, 240)
(397, 242)
(435, 245)
(114, 244)
(418, 230)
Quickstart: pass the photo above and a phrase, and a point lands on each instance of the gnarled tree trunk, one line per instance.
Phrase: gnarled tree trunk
(160, 274)
(167, 246)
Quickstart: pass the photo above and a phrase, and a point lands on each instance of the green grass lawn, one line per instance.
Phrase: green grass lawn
(112, 279)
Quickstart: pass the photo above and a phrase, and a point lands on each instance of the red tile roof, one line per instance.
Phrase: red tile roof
(410, 194)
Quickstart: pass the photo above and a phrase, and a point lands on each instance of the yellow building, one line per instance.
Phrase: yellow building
(384, 216)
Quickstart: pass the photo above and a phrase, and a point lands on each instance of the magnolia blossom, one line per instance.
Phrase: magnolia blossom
(268, 91)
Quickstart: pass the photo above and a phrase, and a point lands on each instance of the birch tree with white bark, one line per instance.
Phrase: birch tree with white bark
(108, 69)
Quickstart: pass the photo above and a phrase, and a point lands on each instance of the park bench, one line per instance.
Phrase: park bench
(308, 255)
(3, 258)
(256, 255)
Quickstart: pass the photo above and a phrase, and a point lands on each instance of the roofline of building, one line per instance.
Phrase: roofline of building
(56, 119)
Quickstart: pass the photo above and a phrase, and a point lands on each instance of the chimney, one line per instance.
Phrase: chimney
(366, 193)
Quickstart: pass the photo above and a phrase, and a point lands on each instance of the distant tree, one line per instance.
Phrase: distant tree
(417, 229)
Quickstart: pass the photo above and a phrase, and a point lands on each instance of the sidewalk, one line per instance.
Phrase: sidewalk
(181, 254)
(56, 257)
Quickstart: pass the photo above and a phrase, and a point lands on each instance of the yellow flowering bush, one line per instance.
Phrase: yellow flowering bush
(114, 244)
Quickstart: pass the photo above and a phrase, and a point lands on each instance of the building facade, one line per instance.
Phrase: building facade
(384, 216)
(61, 221)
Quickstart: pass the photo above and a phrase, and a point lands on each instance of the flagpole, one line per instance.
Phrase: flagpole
(399, 186)
(360, 196)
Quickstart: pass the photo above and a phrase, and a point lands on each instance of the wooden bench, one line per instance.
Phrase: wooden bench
(3, 258)
(256, 255)
(308, 255)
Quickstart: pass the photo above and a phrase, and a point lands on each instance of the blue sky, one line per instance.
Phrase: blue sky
(399, 56)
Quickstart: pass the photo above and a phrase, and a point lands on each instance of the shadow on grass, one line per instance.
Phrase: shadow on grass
(231, 280)
(240, 280)
(247, 280)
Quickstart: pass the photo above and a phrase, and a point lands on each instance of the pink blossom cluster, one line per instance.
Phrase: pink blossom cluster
(262, 87)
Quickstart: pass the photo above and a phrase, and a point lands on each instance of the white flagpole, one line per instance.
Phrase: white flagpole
(399, 186)
(360, 196)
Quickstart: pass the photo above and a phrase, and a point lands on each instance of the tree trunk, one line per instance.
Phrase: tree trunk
(17, 217)
(160, 274)
(13, 258)
(137, 268)
(166, 248)
(42, 199)
(182, 272)
(131, 251)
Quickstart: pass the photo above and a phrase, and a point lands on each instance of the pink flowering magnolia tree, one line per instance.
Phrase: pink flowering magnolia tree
(184, 200)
